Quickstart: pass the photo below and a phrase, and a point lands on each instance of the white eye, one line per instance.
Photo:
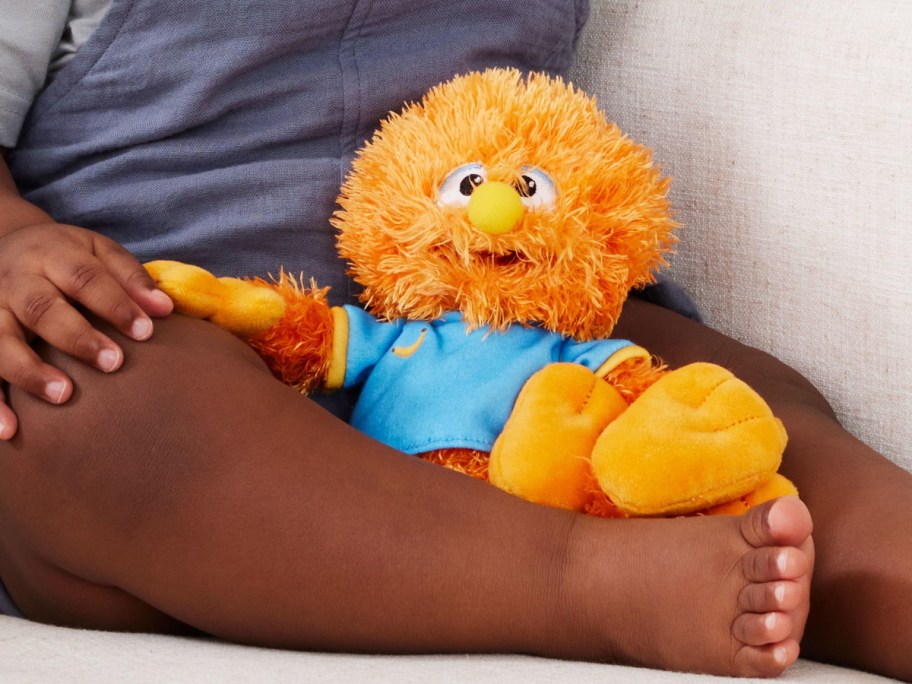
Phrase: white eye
(460, 184)
(536, 189)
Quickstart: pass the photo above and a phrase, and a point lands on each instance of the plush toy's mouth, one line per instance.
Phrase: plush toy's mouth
(485, 257)
(509, 258)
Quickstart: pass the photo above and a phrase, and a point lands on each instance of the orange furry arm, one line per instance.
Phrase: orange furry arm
(298, 348)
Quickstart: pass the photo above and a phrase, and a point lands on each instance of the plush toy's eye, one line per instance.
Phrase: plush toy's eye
(527, 186)
(536, 189)
(469, 183)
(460, 184)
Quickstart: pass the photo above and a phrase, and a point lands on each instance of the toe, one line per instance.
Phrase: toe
(771, 596)
(781, 522)
(761, 629)
(766, 661)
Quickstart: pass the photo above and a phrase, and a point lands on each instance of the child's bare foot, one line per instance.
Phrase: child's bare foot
(722, 595)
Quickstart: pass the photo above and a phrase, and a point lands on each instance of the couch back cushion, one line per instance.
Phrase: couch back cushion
(788, 130)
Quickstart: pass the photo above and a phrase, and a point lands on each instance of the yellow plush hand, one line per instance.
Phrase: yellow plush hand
(243, 307)
(696, 438)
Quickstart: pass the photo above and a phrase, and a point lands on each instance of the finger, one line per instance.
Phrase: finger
(43, 310)
(8, 421)
(88, 281)
(22, 367)
(132, 277)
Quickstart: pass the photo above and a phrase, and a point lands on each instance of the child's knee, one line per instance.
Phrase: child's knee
(124, 456)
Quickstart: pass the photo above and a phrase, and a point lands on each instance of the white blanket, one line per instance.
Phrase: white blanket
(41, 654)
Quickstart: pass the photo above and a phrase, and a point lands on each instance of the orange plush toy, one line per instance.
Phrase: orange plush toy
(496, 228)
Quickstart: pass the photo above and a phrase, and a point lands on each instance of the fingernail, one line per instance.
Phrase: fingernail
(161, 296)
(5, 433)
(769, 621)
(109, 359)
(780, 653)
(54, 390)
(141, 329)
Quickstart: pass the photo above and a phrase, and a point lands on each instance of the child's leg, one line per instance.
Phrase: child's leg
(191, 484)
(861, 611)
(862, 503)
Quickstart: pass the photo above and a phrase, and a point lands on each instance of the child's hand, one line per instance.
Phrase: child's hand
(44, 269)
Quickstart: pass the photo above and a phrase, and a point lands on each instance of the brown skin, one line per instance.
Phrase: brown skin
(221, 498)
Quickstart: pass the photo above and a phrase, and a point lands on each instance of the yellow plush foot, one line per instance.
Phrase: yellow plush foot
(542, 455)
(243, 307)
(696, 438)
(777, 486)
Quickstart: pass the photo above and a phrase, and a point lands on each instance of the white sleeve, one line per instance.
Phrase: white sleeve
(29, 34)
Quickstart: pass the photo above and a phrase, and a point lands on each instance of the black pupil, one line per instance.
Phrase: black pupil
(469, 183)
(527, 187)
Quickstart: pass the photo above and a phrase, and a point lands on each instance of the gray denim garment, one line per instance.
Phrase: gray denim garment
(7, 607)
(218, 132)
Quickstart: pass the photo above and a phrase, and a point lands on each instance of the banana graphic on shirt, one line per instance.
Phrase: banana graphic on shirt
(405, 352)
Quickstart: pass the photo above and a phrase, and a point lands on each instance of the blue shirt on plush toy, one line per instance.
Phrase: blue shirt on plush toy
(437, 385)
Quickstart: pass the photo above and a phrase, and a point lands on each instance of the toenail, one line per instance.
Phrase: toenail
(782, 561)
(780, 653)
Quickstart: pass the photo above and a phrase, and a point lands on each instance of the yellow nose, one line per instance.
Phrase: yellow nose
(495, 207)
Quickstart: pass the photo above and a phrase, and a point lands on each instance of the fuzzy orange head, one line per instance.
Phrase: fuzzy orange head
(509, 199)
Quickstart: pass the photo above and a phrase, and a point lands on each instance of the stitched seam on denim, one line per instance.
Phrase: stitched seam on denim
(50, 106)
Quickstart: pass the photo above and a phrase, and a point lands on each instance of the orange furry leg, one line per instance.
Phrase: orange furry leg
(475, 463)
(467, 461)
(298, 348)
(599, 504)
(634, 377)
